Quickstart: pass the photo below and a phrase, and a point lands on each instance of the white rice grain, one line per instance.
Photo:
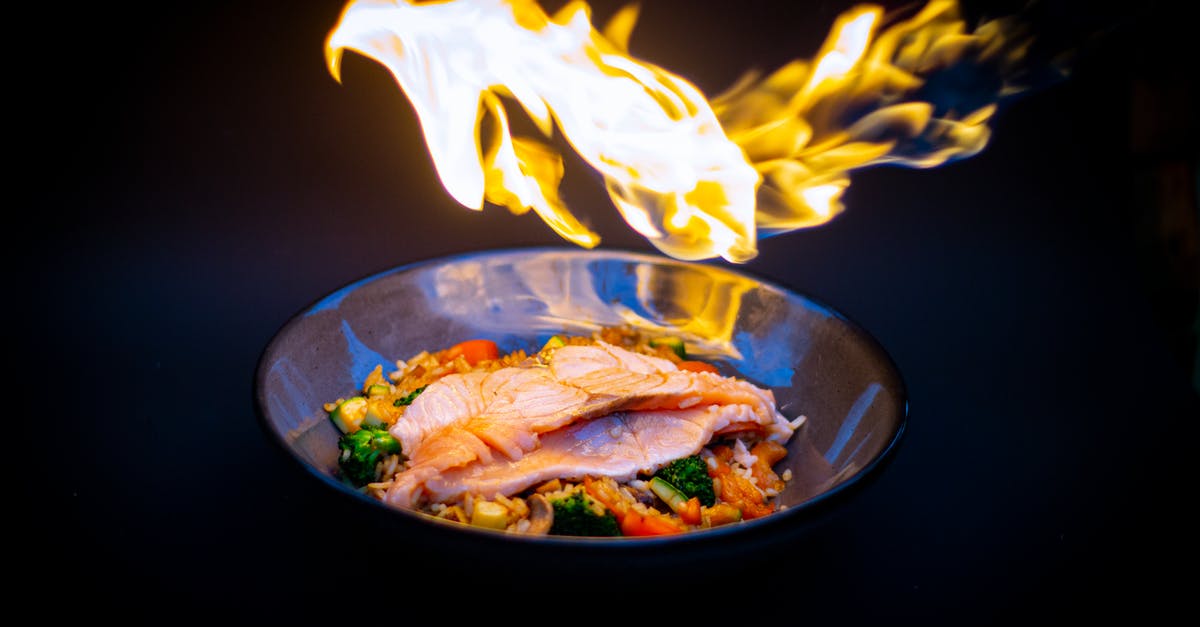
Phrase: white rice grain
(742, 455)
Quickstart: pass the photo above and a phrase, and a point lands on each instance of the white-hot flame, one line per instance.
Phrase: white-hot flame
(666, 161)
(698, 179)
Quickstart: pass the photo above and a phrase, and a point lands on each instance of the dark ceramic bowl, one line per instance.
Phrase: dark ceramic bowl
(818, 363)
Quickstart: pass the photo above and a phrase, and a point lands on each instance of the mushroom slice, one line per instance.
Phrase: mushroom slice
(541, 515)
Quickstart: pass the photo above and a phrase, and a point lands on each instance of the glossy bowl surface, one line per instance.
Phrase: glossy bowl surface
(817, 362)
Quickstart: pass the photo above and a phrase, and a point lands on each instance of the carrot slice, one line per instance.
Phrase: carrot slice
(474, 351)
(696, 365)
(690, 512)
(635, 524)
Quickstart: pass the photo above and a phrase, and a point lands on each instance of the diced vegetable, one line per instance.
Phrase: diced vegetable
(379, 389)
(380, 413)
(349, 414)
(636, 524)
(692, 511)
(720, 514)
(688, 509)
(668, 493)
(555, 341)
(490, 515)
(673, 343)
(474, 351)
(696, 365)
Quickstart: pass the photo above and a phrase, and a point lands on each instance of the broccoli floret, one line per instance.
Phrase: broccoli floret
(359, 452)
(578, 514)
(689, 475)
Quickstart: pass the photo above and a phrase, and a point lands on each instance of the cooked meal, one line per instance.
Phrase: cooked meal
(619, 433)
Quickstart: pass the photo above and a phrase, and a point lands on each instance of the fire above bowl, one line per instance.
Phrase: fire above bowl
(817, 362)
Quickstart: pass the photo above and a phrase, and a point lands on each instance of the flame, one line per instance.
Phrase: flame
(806, 126)
(697, 178)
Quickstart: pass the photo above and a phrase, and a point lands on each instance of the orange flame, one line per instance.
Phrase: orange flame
(698, 179)
(794, 128)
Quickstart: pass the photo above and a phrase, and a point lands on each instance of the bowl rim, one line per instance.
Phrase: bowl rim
(808, 511)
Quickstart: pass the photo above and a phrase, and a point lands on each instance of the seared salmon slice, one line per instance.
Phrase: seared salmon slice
(619, 445)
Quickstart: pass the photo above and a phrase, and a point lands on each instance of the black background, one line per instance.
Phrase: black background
(189, 176)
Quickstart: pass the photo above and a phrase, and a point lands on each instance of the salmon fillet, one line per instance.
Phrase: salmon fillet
(619, 445)
(466, 419)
